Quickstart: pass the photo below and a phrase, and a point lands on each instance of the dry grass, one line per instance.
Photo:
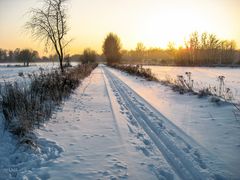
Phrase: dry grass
(137, 71)
(27, 106)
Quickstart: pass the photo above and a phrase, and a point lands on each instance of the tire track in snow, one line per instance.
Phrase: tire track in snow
(184, 157)
(158, 171)
(113, 114)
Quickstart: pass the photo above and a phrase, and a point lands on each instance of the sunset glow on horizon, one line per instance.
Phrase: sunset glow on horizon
(152, 22)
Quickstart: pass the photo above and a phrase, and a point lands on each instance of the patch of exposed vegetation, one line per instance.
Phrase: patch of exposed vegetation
(216, 94)
(27, 106)
(137, 71)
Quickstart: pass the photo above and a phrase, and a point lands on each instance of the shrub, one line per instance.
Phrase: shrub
(204, 92)
(137, 71)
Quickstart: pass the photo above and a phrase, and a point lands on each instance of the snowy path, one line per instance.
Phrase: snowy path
(98, 141)
(188, 159)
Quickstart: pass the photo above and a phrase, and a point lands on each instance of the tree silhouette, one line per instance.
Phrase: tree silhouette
(49, 24)
(111, 48)
(140, 52)
(89, 56)
(26, 56)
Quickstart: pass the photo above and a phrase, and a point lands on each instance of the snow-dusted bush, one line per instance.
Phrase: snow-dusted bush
(204, 92)
(137, 71)
(27, 106)
(182, 85)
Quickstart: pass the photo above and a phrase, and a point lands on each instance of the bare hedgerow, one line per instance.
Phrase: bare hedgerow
(27, 106)
(137, 70)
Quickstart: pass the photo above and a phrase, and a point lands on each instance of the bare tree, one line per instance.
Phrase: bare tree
(140, 52)
(3, 54)
(49, 24)
(26, 56)
(89, 56)
(171, 50)
(10, 55)
(194, 47)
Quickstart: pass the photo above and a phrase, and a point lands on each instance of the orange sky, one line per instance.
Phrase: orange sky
(153, 22)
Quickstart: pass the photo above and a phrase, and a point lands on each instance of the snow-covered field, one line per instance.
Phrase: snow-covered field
(203, 76)
(117, 126)
(9, 73)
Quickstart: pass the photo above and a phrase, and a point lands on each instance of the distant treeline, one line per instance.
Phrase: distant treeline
(27, 56)
(199, 50)
(19, 55)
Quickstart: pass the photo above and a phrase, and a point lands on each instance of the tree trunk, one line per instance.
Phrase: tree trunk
(60, 58)
(61, 63)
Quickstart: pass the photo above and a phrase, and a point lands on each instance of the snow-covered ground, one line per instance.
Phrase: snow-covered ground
(214, 126)
(203, 76)
(117, 126)
(18, 160)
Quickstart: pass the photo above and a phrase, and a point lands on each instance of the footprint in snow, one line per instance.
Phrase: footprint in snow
(119, 165)
(104, 173)
(143, 150)
(139, 135)
(76, 162)
(146, 142)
